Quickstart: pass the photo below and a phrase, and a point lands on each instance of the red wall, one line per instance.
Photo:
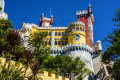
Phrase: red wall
(84, 19)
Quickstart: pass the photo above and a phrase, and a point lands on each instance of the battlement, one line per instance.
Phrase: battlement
(77, 23)
(29, 25)
(70, 47)
(78, 47)
(44, 74)
(53, 28)
(81, 12)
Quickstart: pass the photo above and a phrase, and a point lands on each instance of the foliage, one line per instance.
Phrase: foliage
(117, 18)
(37, 38)
(40, 50)
(113, 49)
(14, 73)
(66, 66)
(35, 67)
(27, 59)
(116, 68)
(13, 38)
(0, 8)
(4, 26)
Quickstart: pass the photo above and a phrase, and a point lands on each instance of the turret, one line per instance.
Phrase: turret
(42, 18)
(89, 9)
(98, 47)
(46, 22)
(87, 18)
(76, 33)
(51, 22)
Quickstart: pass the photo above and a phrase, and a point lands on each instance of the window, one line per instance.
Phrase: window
(59, 33)
(59, 43)
(49, 42)
(77, 28)
(55, 33)
(56, 43)
(66, 42)
(63, 33)
(77, 37)
(49, 33)
(63, 43)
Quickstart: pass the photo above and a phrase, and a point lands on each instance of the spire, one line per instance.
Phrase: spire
(89, 5)
(89, 8)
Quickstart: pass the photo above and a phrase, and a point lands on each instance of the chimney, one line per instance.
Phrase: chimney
(51, 22)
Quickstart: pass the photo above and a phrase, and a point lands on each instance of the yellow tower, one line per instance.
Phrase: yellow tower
(76, 33)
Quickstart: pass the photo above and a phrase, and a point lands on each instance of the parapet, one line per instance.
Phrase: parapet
(81, 12)
(77, 23)
(70, 47)
(44, 74)
(29, 25)
(78, 47)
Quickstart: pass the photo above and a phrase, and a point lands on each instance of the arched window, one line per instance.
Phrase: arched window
(66, 42)
(59, 33)
(59, 43)
(63, 43)
(49, 33)
(77, 37)
(49, 42)
(63, 33)
(56, 43)
(77, 28)
(55, 33)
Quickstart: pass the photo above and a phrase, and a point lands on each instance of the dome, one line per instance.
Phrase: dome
(77, 23)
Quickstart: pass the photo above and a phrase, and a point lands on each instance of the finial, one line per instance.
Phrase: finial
(89, 5)
(51, 15)
(42, 13)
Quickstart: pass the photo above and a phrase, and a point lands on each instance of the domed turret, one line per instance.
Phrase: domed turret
(76, 33)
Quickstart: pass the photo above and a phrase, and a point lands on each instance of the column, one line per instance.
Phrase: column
(52, 38)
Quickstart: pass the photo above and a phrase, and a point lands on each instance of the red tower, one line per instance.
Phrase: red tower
(46, 22)
(87, 18)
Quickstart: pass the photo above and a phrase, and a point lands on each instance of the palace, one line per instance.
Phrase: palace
(75, 40)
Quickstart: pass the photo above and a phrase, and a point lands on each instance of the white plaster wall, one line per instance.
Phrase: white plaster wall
(84, 56)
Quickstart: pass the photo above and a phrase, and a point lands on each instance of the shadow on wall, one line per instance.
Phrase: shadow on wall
(100, 75)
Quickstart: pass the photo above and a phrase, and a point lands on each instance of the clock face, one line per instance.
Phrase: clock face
(46, 24)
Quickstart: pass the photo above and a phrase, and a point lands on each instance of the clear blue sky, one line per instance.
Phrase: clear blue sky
(64, 11)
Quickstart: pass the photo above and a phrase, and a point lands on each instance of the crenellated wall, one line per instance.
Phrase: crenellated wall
(44, 74)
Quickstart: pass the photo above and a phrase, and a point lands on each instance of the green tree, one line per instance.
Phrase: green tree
(40, 50)
(27, 59)
(4, 26)
(15, 73)
(67, 66)
(35, 67)
(113, 50)
(12, 38)
(116, 68)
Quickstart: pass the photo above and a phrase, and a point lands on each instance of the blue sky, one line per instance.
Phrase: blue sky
(64, 11)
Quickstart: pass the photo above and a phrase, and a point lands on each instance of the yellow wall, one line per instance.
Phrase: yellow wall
(71, 37)
(44, 74)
